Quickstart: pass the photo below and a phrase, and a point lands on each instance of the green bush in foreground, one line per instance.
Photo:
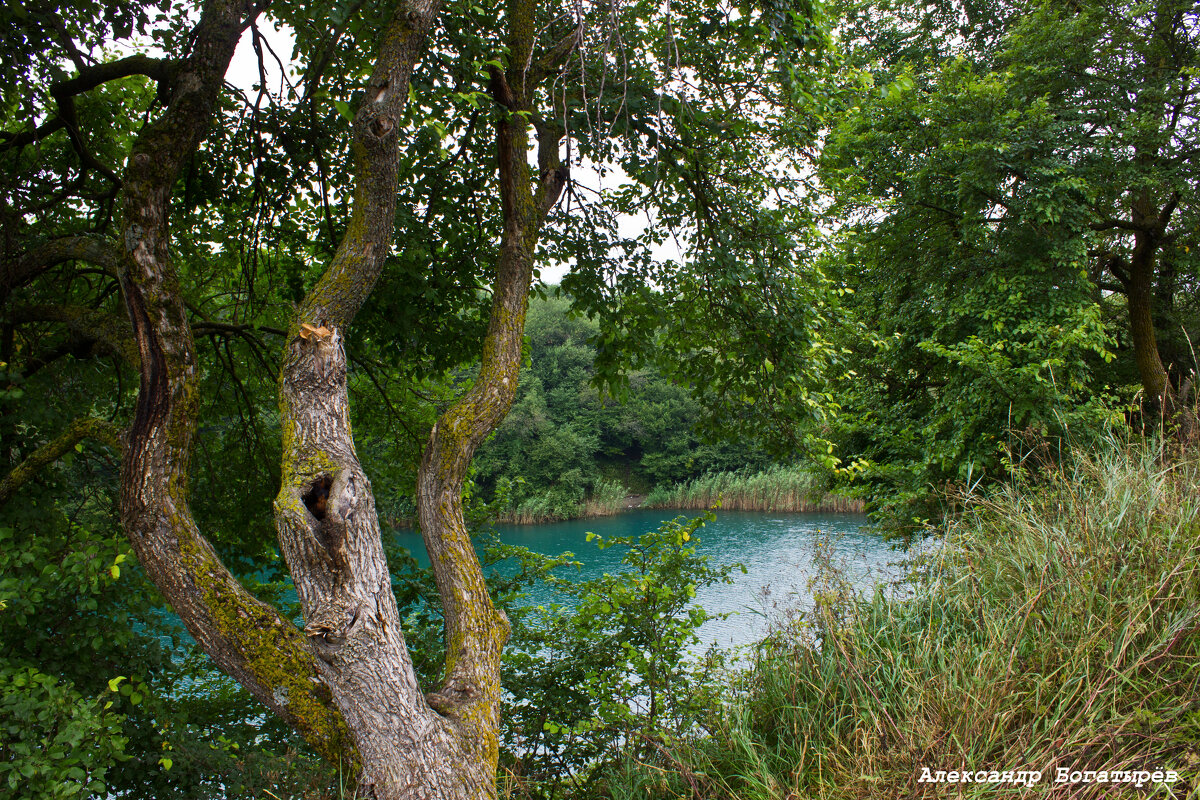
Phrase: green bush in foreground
(1056, 627)
(54, 742)
(610, 671)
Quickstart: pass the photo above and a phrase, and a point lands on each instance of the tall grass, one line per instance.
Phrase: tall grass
(608, 497)
(1058, 626)
(777, 488)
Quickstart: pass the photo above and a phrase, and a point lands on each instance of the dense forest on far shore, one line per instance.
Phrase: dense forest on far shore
(568, 450)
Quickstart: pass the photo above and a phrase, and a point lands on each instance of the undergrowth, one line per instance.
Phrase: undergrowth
(1055, 627)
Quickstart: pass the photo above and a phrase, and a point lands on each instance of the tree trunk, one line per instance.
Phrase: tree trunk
(246, 638)
(347, 682)
(331, 539)
(325, 509)
(475, 632)
(1140, 293)
(1155, 383)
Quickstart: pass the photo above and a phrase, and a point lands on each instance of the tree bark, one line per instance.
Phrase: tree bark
(83, 428)
(347, 682)
(1151, 223)
(475, 631)
(1155, 382)
(325, 509)
(246, 638)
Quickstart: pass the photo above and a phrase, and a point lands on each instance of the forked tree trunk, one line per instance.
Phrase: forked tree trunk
(325, 509)
(346, 682)
(331, 539)
(444, 745)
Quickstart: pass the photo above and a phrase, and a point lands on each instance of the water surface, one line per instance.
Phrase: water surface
(777, 550)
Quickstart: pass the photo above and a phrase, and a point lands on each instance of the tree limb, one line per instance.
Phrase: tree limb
(112, 332)
(475, 631)
(18, 270)
(83, 428)
(9, 141)
(90, 77)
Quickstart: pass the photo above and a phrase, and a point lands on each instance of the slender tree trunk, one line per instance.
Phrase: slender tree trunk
(1155, 383)
(475, 632)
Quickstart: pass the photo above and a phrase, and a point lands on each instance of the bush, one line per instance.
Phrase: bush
(608, 673)
(55, 742)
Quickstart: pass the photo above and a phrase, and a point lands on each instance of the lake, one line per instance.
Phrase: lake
(777, 550)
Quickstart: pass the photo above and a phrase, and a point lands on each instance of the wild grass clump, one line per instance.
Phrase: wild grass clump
(777, 488)
(606, 498)
(1056, 627)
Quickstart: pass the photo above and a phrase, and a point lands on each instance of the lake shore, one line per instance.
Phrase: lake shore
(824, 504)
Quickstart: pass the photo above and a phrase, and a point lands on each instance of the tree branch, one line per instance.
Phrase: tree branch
(553, 58)
(79, 429)
(18, 270)
(475, 630)
(89, 78)
(1109, 224)
(31, 135)
(109, 330)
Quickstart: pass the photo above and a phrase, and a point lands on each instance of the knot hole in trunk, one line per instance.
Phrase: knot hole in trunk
(316, 499)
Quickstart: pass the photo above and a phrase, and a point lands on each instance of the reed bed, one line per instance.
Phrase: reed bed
(608, 497)
(1056, 627)
(777, 488)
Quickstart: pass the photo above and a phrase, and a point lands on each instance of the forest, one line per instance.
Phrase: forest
(280, 281)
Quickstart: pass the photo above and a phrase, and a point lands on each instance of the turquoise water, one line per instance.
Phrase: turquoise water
(777, 550)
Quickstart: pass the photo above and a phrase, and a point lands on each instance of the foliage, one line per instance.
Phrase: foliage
(1056, 626)
(745, 317)
(611, 671)
(57, 742)
(101, 685)
(565, 445)
(989, 189)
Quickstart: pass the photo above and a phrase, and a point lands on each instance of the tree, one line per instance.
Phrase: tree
(357, 699)
(345, 681)
(997, 170)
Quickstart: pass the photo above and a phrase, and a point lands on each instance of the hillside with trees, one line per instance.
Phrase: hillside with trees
(568, 449)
